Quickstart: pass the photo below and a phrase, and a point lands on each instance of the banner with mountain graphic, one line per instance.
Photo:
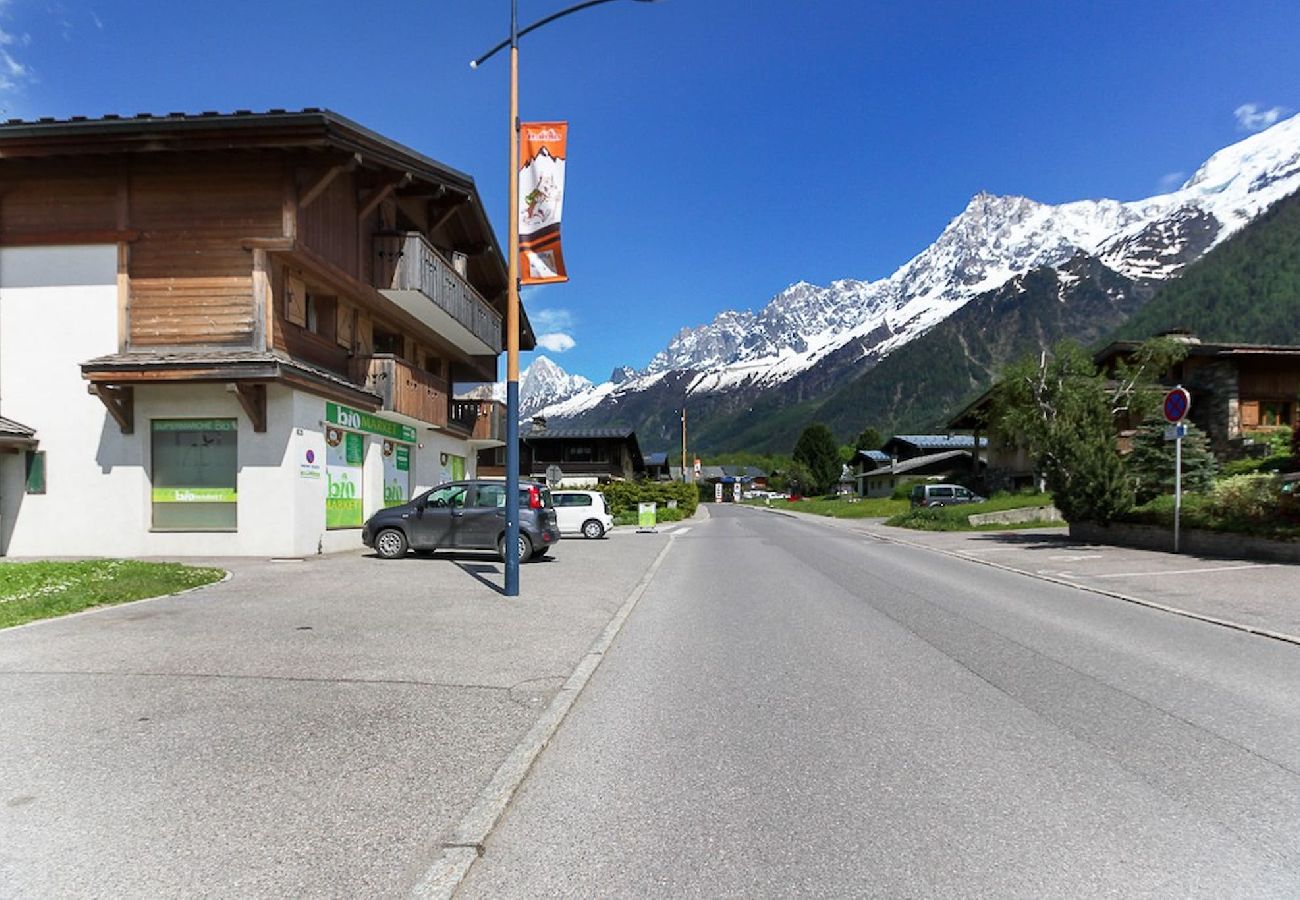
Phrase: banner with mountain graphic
(541, 201)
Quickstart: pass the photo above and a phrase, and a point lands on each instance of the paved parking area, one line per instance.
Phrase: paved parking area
(306, 728)
(1258, 595)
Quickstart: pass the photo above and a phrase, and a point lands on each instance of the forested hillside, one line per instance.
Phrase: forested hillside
(1246, 290)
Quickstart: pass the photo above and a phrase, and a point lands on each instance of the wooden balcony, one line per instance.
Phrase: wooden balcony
(411, 273)
(486, 419)
(407, 390)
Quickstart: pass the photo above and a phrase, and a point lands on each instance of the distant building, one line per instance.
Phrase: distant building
(947, 464)
(585, 456)
(656, 467)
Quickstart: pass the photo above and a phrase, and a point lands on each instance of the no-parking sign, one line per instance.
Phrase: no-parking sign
(1177, 403)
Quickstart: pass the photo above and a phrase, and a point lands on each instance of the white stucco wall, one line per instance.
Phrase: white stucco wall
(58, 308)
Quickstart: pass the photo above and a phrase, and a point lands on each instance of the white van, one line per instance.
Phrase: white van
(582, 512)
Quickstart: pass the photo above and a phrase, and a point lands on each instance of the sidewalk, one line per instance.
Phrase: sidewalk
(314, 727)
(1252, 596)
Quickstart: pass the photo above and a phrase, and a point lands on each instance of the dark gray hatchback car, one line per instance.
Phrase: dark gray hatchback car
(464, 515)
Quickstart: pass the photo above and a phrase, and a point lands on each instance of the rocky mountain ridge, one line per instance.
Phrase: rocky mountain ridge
(846, 327)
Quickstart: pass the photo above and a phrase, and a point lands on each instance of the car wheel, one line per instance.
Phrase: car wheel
(592, 529)
(525, 547)
(390, 543)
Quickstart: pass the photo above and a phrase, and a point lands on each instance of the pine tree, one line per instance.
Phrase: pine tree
(869, 439)
(1151, 464)
(817, 451)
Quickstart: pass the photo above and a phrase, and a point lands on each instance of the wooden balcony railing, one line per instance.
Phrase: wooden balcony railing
(408, 262)
(408, 390)
(484, 421)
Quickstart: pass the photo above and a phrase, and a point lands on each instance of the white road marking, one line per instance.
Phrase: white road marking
(1188, 571)
(1073, 558)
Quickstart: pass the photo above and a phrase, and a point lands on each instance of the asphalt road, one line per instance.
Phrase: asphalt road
(794, 709)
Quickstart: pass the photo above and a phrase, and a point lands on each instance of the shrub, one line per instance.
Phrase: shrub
(623, 496)
(903, 491)
(1251, 497)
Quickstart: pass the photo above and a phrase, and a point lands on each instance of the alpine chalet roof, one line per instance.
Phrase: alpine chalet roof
(12, 432)
(534, 433)
(917, 462)
(938, 441)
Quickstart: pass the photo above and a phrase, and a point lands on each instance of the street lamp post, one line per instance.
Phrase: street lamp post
(512, 298)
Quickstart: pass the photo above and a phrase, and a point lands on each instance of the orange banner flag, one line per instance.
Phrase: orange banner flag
(542, 148)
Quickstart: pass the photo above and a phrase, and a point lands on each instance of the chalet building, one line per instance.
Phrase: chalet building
(656, 467)
(880, 480)
(234, 334)
(586, 457)
(1240, 392)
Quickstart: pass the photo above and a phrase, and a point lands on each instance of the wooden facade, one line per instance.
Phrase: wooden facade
(256, 235)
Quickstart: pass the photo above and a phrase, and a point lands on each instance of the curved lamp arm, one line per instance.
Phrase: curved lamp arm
(577, 7)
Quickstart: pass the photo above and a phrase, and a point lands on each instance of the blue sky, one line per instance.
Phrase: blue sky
(719, 149)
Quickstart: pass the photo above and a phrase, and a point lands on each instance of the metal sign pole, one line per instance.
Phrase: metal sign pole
(1178, 402)
(1178, 486)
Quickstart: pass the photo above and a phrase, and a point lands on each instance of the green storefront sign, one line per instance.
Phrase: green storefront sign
(397, 473)
(193, 495)
(194, 425)
(356, 420)
(345, 454)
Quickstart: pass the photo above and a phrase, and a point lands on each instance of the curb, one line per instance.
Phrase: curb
(466, 842)
(1116, 595)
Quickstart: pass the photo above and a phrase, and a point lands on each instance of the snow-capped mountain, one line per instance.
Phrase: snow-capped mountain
(544, 383)
(993, 240)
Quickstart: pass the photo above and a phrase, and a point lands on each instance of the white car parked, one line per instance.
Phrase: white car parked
(582, 512)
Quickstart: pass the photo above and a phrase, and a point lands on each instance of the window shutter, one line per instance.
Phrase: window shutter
(345, 328)
(1249, 413)
(295, 301)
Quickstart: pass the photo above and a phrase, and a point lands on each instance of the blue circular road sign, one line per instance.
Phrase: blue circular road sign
(1177, 403)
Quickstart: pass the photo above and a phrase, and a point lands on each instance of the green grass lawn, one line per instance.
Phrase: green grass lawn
(839, 508)
(42, 590)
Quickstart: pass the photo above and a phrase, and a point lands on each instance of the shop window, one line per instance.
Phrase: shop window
(193, 469)
(36, 471)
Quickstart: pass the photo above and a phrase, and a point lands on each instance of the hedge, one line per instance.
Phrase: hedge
(623, 496)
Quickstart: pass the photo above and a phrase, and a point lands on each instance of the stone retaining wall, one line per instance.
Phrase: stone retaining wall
(1194, 542)
(1023, 514)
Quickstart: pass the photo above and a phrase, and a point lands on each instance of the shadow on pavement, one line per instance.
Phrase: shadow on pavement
(1034, 541)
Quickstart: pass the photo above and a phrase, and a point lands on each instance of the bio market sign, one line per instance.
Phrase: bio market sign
(397, 473)
(356, 420)
(345, 454)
